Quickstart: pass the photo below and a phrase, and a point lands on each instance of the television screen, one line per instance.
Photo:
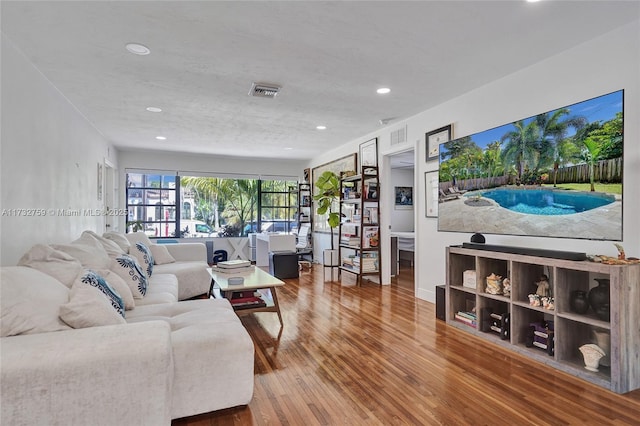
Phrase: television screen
(556, 174)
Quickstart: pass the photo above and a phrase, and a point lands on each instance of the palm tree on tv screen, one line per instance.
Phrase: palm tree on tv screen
(520, 148)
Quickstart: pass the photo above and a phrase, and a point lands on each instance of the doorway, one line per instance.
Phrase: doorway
(402, 218)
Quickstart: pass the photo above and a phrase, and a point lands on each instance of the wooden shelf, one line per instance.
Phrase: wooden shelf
(570, 330)
(362, 226)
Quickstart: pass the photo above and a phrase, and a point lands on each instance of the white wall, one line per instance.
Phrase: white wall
(402, 219)
(50, 154)
(602, 65)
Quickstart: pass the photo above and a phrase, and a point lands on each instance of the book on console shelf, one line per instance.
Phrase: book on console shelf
(468, 318)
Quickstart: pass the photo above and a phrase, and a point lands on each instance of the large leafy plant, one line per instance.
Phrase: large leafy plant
(328, 187)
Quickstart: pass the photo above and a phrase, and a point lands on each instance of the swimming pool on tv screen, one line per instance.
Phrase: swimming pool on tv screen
(547, 202)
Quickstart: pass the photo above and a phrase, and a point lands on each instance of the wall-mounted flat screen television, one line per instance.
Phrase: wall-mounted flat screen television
(556, 174)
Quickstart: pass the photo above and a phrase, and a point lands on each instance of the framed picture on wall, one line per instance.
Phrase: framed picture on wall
(435, 138)
(369, 153)
(343, 164)
(403, 197)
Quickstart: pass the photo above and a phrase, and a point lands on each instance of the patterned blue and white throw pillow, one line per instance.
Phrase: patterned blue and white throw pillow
(128, 268)
(144, 256)
(93, 279)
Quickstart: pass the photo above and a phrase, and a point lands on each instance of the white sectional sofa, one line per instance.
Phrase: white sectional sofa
(68, 357)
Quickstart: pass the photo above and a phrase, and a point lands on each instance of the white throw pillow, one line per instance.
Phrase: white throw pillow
(138, 237)
(161, 255)
(128, 268)
(93, 279)
(120, 286)
(88, 307)
(111, 247)
(30, 301)
(88, 251)
(60, 265)
(119, 239)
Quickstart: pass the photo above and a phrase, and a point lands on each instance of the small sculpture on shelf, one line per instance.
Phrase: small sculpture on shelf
(547, 302)
(543, 287)
(592, 354)
(494, 284)
(534, 300)
(506, 287)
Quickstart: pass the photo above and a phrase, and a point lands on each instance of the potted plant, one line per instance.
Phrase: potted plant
(328, 185)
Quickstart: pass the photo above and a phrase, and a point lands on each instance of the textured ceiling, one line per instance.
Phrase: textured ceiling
(329, 57)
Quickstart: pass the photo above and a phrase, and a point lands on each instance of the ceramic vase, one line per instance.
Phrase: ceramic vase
(592, 355)
(579, 302)
(603, 340)
(599, 299)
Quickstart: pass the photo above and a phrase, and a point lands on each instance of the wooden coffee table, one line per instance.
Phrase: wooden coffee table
(257, 280)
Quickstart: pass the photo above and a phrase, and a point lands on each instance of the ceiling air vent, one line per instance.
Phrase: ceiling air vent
(264, 90)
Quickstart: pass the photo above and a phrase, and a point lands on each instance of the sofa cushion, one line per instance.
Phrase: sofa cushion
(119, 239)
(193, 277)
(88, 251)
(142, 252)
(163, 288)
(128, 268)
(202, 331)
(161, 255)
(60, 265)
(95, 280)
(30, 301)
(89, 307)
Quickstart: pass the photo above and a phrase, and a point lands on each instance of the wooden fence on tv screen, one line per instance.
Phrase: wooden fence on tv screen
(605, 171)
(609, 171)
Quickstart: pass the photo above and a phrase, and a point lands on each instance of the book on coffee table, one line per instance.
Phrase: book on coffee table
(234, 264)
(247, 302)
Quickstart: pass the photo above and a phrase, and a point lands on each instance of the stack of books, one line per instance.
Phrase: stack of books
(369, 262)
(246, 300)
(465, 317)
(370, 215)
(233, 266)
(349, 240)
(348, 261)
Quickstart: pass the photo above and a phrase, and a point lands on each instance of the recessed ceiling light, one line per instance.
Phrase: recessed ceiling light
(138, 49)
(154, 109)
(383, 90)
(288, 148)
(161, 138)
(321, 127)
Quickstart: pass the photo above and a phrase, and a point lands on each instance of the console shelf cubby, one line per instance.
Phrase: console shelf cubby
(551, 336)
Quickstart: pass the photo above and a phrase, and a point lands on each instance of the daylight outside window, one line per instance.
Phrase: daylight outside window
(208, 206)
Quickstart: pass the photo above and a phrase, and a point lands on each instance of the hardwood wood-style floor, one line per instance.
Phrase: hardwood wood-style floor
(374, 355)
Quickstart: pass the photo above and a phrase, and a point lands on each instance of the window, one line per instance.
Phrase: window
(208, 206)
(278, 205)
(151, 203)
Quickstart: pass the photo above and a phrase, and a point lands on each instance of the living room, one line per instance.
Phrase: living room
(50, 149)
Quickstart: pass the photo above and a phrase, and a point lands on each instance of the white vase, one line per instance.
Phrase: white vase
(603, 340)
(330, 262)
(592, 355)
